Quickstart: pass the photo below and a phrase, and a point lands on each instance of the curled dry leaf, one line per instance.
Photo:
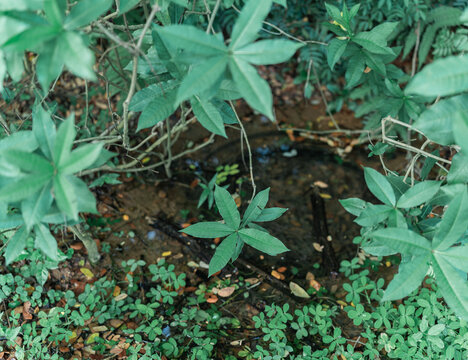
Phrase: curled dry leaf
(277, 275)
(320, 184)
(298, 291)
(212, 299)
(318, 247)
(282, 269)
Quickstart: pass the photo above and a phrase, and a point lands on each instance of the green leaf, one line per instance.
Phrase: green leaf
(78, 58)
(373, 215)
(249, 23)
(50, 63)
(334, 12)
(208, 230)
(228, 90)
(28, 162)
(397, 219)
(85, 12)
(266, 52)
(225, 110)
(222, 254)
(202, 77)
(45, 241)
(452, 284)
(192, 40)
(126, 5)
(443, 77)
(23, 188)
(64, 140)
(454, 222)
(458, 170)
(31, 38)
(65, 197)
(375, 63)
(55, 11)
(355, 70)
(460, 130)
(409, 277)
(253, 88)
(35, 207)
(256, 207)
(262, 241)
(379, 186)
(419, 194)
(447, 193)
(81, 158)
(208, 115)
(402, 240)
(457, 256)
(159, 109)
(368, 44)
(16, 245)
(144, 97)
(436, 122)
(85, 198)
(227, 207)
(270, 214)
(44, 130)
(335, 49)
(354, 206)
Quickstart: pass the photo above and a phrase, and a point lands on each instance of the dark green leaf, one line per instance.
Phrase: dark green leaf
(402, 240)
(144, 97)
(222, 254)
(454, 222)
(253, 88)
(335, 49)
(379, 186)
(256, 207)
(208, 115)
(85, 12)
(262, 241)
(249, 23)
(354, 206)
(208, 230)
(267, 52)
(419, 194)
(270, 214)
(227, 207)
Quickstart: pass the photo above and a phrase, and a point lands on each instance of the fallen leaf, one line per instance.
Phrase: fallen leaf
(92, 338)
(277, 275)
(321, 184)
(325, 196)
(77, 246)
(26, 314)
(227, 291)
(212, 299)
(298, 291)
(167, 253)
(126, 217)
(310, 277)
(282, 269)
(88, 273)
(116, 291)
(315, 284)
(194, 183)
(115, 323)
(252, 281)
(317, 247)
(203, 265)
(121, 297)
(192, 264)
(100, 328)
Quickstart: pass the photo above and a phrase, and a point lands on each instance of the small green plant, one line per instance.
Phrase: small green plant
(239, 231)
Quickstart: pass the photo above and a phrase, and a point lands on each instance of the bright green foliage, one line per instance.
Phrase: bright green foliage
(42, 182)
(239, 232)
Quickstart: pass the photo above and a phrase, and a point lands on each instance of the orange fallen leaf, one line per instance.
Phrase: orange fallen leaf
(367, 70)
(126, 217)
(277, 275)
(77, 246)
(315, 284)
(212, 299)
(282, 269)
(217, 240)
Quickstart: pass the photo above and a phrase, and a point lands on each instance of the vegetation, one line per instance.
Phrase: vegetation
(164, 65)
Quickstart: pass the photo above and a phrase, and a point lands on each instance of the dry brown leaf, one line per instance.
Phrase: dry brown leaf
(212, 299)
(320, 184)
(282, 269)
(252, 281)
(277, 275)
(315, 284)
(318, 247)
(120, 297)
(227, 291)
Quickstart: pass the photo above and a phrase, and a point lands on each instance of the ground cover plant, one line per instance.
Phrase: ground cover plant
(165, 69)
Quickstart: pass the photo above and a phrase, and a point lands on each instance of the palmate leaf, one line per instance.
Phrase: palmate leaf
(85, 198)
(402, 240)
(208, 230)
(49, 64)
(354, 206)
(267, 52)
(31, 38)
(249, 22)
(44, 130)
(253, 88)
(454, 222)
(16, 245)
(256, 207)
(159, 109)
(409, 277)
(86, 11)
(81, 158)
(202, 77)
(192, 40)
(23, 188)
(144, 97)
(223, 254)
(379, 186)
(419, 194)
(55, 11)
(208, 115)
(443, 77)
(28, 162)
(78, 58)
(270, 214)
(45, 241)
(262, 241)
(64, 140)
(65, 196)
(35, 207)
(227, 207)
(452, 284)
(458, 170)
